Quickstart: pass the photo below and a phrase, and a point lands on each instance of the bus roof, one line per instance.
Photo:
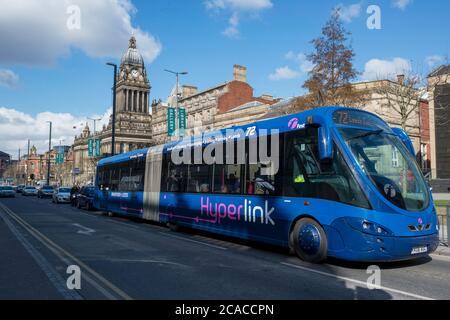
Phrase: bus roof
(282, 124)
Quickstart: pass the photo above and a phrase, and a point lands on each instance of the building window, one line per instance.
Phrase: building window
(395, 162)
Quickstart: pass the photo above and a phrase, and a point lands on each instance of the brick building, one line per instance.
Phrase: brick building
(212, 108)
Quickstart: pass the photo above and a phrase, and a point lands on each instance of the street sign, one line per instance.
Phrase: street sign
(90, 148)
(171, 124)
(76, 171)
(97, 148)
(182, 121)
(59, 158)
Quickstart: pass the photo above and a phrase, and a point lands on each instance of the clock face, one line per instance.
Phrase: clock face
(135, 73)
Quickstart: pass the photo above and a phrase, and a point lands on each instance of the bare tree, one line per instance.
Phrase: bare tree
(439, 88)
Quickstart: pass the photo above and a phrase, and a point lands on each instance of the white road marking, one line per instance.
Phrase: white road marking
(190, 240)
(362, 283)
(84, 230)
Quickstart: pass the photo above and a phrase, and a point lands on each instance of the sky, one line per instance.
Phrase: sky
(53, 54)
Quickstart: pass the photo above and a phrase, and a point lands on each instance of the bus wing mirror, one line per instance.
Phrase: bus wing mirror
(325, 144)
(405, 139)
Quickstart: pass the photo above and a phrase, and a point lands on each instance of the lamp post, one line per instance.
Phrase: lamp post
(177, 74)
(94, 151)
(49, 151)
(60, 161)
(113, 137)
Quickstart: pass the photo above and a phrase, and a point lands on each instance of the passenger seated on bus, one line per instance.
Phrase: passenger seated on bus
(234, 184)
(175, 181)
(223, 189)
(204, 188)
(193, 186)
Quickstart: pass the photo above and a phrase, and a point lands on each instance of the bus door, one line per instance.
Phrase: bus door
(152, 183)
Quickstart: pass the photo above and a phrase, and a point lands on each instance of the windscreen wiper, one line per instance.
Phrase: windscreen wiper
(367, 134)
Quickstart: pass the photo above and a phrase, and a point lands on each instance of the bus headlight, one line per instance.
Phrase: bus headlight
(368, 227)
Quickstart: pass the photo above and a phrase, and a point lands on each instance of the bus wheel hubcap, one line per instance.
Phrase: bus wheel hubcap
(309, 239)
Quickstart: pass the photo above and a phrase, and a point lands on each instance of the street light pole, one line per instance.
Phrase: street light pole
(49, 151)
(28, 161)
(113, 138)
(177, 74)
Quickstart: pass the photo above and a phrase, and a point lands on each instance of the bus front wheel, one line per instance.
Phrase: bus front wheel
(309, 241)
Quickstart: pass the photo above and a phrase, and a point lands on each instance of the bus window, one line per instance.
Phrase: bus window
(258, 184)
(136, 183)
(306, 176)
(177, 178)
(115, 179)
(124, 184)
(199, 179)
(227, 179)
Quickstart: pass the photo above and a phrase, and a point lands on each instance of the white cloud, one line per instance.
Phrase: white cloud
(284, 73)
(249, 5)
(377, 69)
(17, 127)
(347, 13)
(8, 78)
(303, 66)
(434, 60)
(36, 32)
(302, 61)
(237, 8)
(233, 24)
(401, 4)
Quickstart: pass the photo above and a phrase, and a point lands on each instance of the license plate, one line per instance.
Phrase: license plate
(419, 250)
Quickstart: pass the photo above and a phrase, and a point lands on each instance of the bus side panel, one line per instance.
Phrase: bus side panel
(255, 218)
(152, 183)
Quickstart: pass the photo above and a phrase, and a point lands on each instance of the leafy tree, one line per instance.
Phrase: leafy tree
(329, 81)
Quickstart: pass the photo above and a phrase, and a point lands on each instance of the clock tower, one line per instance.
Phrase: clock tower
(133, 87)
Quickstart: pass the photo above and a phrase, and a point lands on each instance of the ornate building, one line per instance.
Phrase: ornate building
(133, 118)
(229, 103)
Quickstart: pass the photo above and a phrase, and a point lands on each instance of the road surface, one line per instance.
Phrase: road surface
(127, 259)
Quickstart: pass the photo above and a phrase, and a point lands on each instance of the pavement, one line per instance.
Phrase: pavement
(441, 196)
(124, 259)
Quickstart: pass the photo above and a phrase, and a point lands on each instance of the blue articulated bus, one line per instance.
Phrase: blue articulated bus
(329, 182)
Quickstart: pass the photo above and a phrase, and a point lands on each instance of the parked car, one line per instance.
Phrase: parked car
(45, 192)
(61, 195)
(7, 192)
(20, 188)
(74, 192)
(85, 198)
(29, 191)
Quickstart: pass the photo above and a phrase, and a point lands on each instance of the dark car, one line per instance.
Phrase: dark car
(20, 188)
(74, 195)
(45, 192)
(85, 198)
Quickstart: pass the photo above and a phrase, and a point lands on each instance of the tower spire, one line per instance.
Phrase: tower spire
(132, 42)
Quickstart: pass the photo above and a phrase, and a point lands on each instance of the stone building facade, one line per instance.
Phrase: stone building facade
(439, 106)
(229, 103)
(377, 102)
(133, 125)
(5, 160)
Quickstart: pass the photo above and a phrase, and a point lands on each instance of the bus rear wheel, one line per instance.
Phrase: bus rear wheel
(309, 241)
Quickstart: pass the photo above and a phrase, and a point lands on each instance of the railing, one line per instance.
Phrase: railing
(444, 224)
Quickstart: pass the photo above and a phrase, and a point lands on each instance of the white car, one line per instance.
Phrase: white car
(29, 191)
(7, 191)
(61, 195)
